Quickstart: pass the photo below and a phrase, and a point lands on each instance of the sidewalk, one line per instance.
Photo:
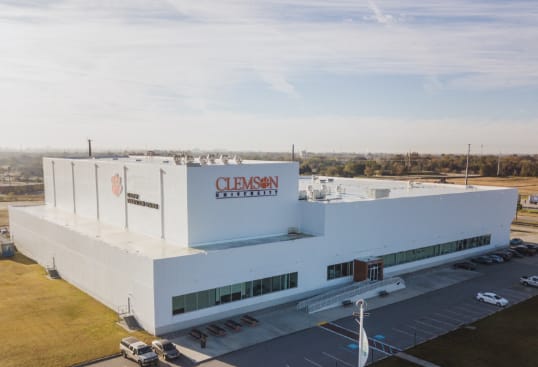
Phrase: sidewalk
(284, 319)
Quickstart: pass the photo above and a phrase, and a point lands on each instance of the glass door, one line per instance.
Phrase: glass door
(373, 271)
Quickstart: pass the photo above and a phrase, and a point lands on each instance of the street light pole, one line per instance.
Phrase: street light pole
(467, 165)
(360, 304)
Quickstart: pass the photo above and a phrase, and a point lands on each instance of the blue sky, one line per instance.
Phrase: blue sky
(359, 76)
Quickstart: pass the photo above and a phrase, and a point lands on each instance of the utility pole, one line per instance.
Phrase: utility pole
(467, 165)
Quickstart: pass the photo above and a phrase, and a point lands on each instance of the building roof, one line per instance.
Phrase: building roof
(363, 189)
(130, 242)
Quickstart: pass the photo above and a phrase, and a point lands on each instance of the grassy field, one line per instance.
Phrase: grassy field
(49, 323)
(525, 185)
(507, 338)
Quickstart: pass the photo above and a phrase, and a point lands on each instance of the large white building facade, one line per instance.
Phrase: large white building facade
(183, 241)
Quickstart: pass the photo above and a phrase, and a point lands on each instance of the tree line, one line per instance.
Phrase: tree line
(418, 164)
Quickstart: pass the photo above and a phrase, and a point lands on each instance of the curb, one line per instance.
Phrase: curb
(96, 360)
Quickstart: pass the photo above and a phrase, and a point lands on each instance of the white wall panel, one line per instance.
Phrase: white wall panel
(48, 181)
(111, 206)
(212, 219)
(143, 182)
(175, 205)
(64, 184)
(85, 193)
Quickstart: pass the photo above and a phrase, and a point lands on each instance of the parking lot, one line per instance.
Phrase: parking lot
(397, 326)
(391, 328)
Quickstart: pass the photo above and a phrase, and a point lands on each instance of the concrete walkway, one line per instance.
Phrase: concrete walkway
(285, 319)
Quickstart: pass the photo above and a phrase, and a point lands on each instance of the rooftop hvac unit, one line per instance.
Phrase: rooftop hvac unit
(178, 159)
(378, 193)
(319, 195)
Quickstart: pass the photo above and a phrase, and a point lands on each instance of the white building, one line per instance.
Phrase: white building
(185, 241)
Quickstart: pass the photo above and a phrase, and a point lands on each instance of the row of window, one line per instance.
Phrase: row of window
(230, 293)
(339, 270)
(403, 257)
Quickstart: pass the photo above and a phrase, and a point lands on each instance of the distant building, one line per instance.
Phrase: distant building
(530, 202)
(184, 241)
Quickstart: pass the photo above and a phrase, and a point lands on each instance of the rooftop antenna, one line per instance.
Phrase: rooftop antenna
(89, 147)
(467, 165)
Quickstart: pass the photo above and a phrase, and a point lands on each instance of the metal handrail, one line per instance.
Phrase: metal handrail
(315, 306)
(304, 303)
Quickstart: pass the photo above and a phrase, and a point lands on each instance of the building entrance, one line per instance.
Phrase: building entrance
(374, 271)
(367, 269)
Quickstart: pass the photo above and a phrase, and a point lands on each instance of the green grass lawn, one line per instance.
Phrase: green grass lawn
(50, 323)
(507, 338)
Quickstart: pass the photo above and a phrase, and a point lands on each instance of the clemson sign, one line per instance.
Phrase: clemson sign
(117, 187)
(241, 187)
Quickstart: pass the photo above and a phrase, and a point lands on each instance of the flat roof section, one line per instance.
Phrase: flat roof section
(253, 241)
(139, 244)
(133, 243)
(361, 189)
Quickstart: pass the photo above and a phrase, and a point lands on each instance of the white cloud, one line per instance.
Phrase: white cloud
(112, 63)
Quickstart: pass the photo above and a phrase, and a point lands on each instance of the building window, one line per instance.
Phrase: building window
(340, 270)
(231, 293)
(403, 257)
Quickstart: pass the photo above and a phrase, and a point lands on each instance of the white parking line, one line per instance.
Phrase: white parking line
(403, 332)
(429, 325)
(337, 359)
(513, 291)
(475, 306)
(335, 333)
(458, 321)
(459, 314)
(471, 311)
(379, 350)
(312, 362)
(518, 296)
(421, 330)
(449, 324)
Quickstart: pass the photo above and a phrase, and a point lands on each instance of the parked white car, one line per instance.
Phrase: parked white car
(490, 297)
(531, 280)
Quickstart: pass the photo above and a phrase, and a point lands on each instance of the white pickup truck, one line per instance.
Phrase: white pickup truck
(139, 351)
(531, 280)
